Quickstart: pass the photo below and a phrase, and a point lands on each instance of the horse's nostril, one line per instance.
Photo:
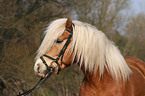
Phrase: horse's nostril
(38, 67)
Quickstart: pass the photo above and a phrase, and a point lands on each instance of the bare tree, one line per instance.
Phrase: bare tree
(135, 33)
(23, 20)
(104, 14)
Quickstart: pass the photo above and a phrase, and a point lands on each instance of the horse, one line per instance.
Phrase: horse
(106, 71)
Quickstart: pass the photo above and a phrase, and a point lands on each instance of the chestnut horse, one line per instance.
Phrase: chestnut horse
(107, 73)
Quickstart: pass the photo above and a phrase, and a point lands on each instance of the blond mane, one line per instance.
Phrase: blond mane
(91, 47)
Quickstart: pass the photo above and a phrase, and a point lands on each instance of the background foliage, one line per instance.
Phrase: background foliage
(22, 23)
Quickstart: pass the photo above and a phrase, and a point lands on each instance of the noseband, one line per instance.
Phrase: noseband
(61, 54)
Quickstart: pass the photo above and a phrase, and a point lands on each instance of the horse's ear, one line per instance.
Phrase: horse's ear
(68, 25)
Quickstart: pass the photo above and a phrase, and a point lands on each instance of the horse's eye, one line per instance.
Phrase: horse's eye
(59, 41)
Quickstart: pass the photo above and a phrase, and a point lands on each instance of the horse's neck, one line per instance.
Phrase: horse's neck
(95, 79)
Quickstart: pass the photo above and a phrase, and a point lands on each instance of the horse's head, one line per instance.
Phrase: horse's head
(59, 56)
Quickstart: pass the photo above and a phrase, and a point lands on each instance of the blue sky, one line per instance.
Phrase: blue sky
(137, 6)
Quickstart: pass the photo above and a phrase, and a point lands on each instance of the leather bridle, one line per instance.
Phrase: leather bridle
(50, 68)
(60, 56)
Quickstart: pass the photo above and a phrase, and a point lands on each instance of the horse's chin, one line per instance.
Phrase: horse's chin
(41, 75)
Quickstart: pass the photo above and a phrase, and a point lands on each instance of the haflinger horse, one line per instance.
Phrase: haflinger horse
(106, 71)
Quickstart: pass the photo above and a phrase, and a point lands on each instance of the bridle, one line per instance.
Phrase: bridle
(51, 69)
(61, 54)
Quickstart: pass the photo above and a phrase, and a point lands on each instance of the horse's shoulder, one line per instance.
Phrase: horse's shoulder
(136, 64)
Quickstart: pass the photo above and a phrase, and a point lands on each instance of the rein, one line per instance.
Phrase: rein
(50, 69)
(38, 84)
